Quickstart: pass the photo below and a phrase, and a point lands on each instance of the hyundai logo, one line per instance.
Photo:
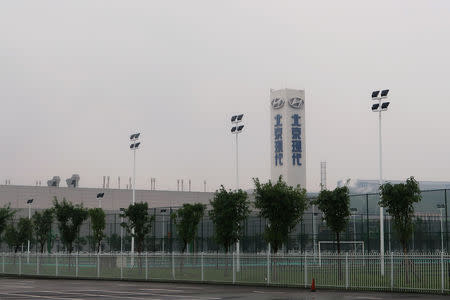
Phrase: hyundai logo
(277, 103)
(296, 102)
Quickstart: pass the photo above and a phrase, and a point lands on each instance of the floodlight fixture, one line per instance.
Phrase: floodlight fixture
(375, 107)
(135, 136)
(233, 129)
(237, 118)
(240, 127)
(100, 195)
(385, 105)
(353, 209)
(29, 201)
(135, 146)
(384, 93)
(440, 206)
(375, 94)
(163, 210)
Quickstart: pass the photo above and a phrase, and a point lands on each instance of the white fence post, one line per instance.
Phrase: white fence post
(98, 265)
(320, 258)
(306, 271)
(173, 265)
(201, 260)
(346, 271)
(392, 272)
(234, 268)
(146, 265)
(56, 265)
(268, 264)
(37, 264)
(121, 265)
(76, 264)
(20, 264)
(442, 272)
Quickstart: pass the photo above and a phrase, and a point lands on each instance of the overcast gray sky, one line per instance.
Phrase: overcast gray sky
(77, 77)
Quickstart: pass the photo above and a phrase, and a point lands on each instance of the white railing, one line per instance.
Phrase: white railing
(428, 273)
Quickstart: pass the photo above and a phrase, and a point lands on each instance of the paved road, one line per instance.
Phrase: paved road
(14, 289)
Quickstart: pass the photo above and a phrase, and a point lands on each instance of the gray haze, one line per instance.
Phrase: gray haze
(77, 77)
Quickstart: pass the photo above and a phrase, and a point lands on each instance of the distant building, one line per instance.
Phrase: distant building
(114, 199)
(361, 186)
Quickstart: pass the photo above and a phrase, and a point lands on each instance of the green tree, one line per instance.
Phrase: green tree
(229, 210)
(6, 213)
(24, 230)
(399, 199)
(283, 207)
(186, 220)
(139, 220)
(114, 242)
(98, 224)
(11, 237)
(69, 217)
(335, 206)
(16, 237)
(42, 222)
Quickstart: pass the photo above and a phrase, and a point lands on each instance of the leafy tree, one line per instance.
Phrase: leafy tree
(399, 199)
(139, 220)
(114, 242)
(283, 206)
(11, 237)
(24, 230)
(80, 242)
(335, 206)
(186, 220)
(16, 237)
(229, 210)
(42, 222)
(98, 224)
(6, 213)
(69, 217)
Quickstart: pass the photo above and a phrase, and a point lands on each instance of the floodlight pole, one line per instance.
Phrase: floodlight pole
(237, 162)
(354, 230)
(381, 182)
(29, 218)
(236, 132)
(134, 193)
(238, 246)
(121, 234)
(379, 108)
(442, 230)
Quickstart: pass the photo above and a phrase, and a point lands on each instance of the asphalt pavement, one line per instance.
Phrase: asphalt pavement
(59, 289)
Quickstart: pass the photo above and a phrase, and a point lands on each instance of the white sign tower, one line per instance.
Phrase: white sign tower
(287, 132)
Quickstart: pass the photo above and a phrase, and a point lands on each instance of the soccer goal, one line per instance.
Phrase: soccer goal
(357, 246)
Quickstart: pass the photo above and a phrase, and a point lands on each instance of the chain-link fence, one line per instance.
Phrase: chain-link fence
(431, 230)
